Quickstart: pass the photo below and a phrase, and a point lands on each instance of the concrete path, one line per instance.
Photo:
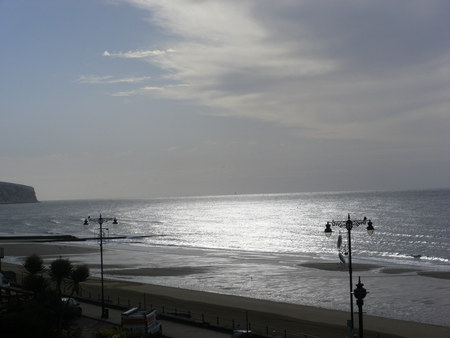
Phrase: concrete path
(92, 321)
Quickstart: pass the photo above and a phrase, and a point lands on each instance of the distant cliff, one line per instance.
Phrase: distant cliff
(16, 193)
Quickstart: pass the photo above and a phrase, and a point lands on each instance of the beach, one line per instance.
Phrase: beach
(264, 315)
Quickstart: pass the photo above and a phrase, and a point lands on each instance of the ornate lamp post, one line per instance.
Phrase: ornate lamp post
(100, 221)
(360, 294)
(349, 224)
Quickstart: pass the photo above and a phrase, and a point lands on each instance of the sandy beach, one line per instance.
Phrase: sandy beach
(228, 309)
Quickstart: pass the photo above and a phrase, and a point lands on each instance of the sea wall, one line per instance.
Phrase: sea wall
(16, 193)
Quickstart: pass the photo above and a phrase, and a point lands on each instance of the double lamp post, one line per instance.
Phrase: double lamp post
(360, 292)
(100, 221)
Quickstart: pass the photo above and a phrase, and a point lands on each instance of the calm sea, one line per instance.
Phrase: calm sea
(251, 245)
(407, 223)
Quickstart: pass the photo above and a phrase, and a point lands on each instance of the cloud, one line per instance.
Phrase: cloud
(93, 79)
(138, 54)
(346, 70)
(146, 90)
(139, 91)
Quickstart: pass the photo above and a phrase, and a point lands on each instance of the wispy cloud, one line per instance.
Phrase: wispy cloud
(138, 91)
(146, 90)
(138, 54)
(93, 79)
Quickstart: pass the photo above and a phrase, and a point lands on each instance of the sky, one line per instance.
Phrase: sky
(147, 98)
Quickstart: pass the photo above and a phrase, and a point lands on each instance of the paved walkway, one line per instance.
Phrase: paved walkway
(92, 321)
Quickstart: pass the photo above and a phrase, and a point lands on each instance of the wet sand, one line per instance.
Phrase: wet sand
(367, 267)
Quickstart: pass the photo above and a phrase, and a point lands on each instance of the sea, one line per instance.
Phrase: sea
(255, 245)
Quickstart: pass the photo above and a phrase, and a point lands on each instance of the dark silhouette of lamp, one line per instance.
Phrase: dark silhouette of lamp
(360, 293)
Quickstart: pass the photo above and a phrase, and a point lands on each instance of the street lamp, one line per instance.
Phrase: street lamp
(360, 293)
(100, 221)
(349, 224)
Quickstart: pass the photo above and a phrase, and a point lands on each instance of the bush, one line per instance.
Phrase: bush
(34, 318)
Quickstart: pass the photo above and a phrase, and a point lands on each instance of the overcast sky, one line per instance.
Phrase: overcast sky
(143, 98)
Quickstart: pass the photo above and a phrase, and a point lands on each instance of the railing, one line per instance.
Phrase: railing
(174, 310)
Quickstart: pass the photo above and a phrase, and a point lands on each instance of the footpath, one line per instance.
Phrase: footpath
(91, 321)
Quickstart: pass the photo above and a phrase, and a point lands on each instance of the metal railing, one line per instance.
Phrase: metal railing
(180, 313)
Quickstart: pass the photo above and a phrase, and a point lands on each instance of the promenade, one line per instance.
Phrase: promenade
(90, 322)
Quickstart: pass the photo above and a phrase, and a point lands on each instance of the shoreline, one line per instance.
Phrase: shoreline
(54, 246)
(307, 319)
